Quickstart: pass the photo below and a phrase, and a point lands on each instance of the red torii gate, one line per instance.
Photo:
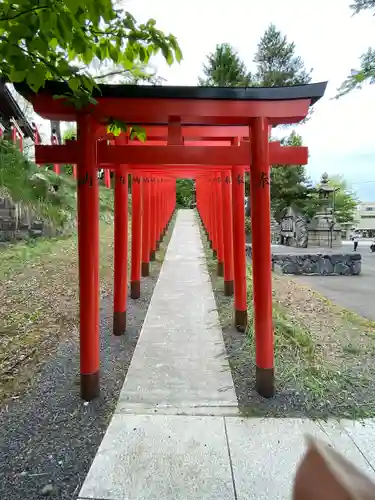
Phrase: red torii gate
(177, 119)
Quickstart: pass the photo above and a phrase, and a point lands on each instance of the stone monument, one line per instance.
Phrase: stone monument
(321, 231)
(294, 232)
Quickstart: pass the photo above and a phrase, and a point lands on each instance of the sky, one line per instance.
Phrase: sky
(340, 134)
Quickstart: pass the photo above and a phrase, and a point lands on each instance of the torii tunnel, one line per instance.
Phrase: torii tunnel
(212, 135)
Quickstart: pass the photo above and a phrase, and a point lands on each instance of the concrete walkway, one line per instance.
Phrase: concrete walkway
(176, 433)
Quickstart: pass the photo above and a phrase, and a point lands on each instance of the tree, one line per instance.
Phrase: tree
(291, 186)
(345, 202)
(224, 68)
(140, 73)
(276, 62)
(184, 192)
(54, 40)
(366, 71)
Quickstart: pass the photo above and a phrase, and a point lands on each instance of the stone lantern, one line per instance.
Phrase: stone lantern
(327, 195)
(324, 231)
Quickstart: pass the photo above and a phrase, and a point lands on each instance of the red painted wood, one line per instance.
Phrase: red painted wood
(88, 249)
(190, 111)
(120, 248)
(239, 241)
(227, 225)
(261, 244)
(136, 242)
(109, 156)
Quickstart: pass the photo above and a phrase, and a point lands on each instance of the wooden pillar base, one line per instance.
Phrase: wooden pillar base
(228, 288)
(152, 255)
(240, 320)
(265, 382)
(90, 388)
(157, 245)
(135, 289)
(119, 323)
(145, 269)
(220, 269)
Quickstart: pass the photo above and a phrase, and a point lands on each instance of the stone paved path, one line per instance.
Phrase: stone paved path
(176, 433)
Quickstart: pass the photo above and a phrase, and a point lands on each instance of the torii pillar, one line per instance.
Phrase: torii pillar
(88, 252)
(261, 257)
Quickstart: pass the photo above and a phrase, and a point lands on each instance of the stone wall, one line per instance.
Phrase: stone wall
(325, 238)
(335, 264)
(18, 222)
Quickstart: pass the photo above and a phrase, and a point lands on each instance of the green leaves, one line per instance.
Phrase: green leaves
(116, 127)
(113, 53)
(36, 78)
(137, 132)
(74, 83)
(57, 40)
(366, 73)
(17, 75)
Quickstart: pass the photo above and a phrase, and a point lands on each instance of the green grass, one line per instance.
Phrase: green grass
(32, 186)
(39, 277)
(323, 367)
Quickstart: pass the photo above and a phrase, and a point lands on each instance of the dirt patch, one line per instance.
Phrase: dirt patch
(324, 355)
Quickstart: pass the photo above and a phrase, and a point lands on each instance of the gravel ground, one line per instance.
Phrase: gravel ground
(49, 435)
(286, 403)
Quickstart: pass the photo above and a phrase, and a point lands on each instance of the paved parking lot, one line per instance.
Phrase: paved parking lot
(356, 293)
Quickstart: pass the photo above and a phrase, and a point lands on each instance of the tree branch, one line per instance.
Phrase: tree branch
(112, 73)
(34, 9)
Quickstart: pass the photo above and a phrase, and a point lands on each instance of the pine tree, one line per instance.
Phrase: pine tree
(291, 186)
(276, 62)
(224, 68)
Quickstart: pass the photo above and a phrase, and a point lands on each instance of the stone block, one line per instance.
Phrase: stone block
(35, 233)
(309, 266)
(357, 267)
(20, 235)
(341, 268)
(37, 225)
(291, 268)
(326, 266)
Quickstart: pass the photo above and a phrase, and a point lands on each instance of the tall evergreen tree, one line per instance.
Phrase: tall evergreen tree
(291, 186)
(224, 68)
(276, 62)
